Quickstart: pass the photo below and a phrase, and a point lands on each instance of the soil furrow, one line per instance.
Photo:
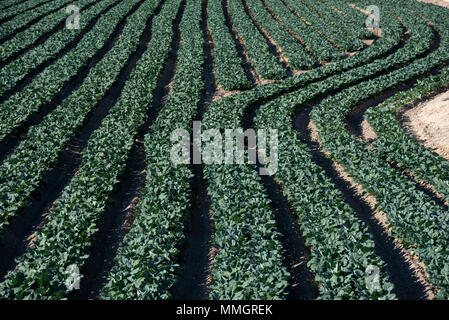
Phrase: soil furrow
(11, 5)
(310, 25)
(43, 38)
(360, 128)
(296, 254)
(29, 24)
(119, 212)
(11, 141)
(253, 108)
(406, 272)
(197, 253)
(416, 291)
(17, 13)
(246, 65)
(294, 36)
(274, 48)
(408, 283)
(30, 219)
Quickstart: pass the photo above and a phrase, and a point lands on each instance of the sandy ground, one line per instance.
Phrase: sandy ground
(429, 123)
(443, 3)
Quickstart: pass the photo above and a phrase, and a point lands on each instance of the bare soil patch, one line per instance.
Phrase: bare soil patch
(442, 3)
(428, 122)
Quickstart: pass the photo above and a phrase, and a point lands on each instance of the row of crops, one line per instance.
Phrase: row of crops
(143, 68)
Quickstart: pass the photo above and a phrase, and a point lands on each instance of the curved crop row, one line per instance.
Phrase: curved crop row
(396, 145)
(147, 260)
(353, 256)
(300, 177)
(249, 262)
(392, 38)
(256, 46)
(23, 170)
(415, 218)
(350, 13)
(9, 27)
(227, 64)
(340, 21)
(66, 238)
(221, 181)
(18, 69)
(46, 84)
(216, 116)
(298, 57)
(342, 250)
(317, 44)
(345, 42)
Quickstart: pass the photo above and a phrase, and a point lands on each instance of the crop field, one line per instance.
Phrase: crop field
(222, 150)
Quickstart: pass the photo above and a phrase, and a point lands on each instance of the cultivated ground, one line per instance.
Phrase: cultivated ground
(93, 206)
